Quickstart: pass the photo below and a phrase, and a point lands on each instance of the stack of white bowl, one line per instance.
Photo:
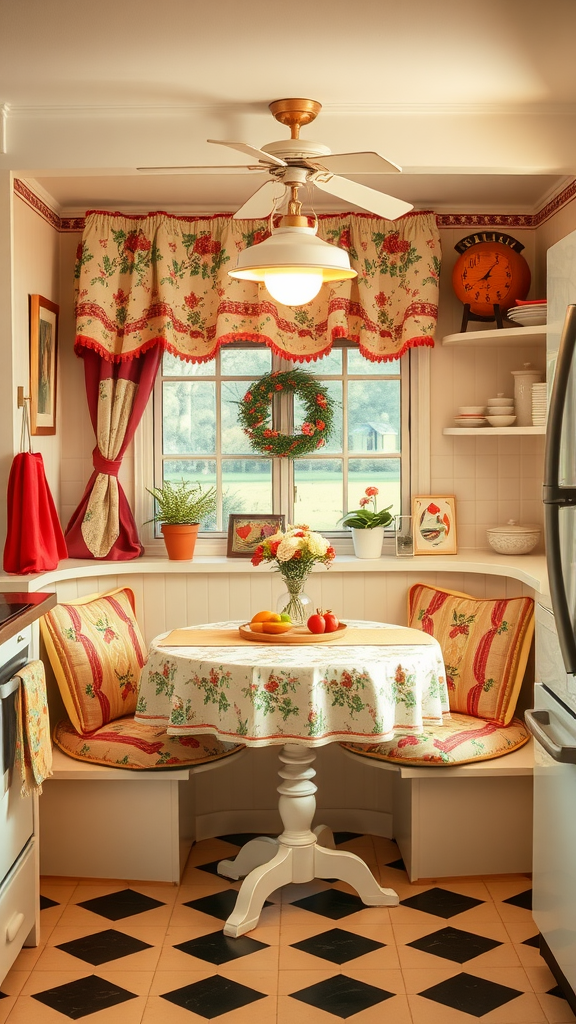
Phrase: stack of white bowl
(470, 416)
(501, 411)
(539, 401)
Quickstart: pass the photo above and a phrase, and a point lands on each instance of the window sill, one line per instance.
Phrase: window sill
(527, 569)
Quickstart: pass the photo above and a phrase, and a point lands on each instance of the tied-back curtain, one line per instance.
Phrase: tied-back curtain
(103, 525)
(163, 280)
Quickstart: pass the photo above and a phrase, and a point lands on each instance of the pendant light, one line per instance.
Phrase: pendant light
(293, 263)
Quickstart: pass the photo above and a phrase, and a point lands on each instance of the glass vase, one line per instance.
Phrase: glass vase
(295, 603)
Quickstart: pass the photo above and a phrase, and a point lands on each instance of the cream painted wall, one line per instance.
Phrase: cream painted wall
(36, 272)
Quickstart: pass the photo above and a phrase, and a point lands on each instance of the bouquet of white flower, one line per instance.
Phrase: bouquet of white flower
(295, 552)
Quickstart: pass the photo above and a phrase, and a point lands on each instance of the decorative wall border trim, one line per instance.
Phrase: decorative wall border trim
(444, 220)
(31, 199)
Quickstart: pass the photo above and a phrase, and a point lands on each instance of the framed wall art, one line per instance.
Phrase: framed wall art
(434, 525)
(43, 364)
(246, 532)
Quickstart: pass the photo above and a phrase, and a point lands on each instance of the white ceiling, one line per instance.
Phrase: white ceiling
(477, 104)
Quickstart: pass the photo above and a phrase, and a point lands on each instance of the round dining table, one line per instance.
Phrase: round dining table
(361, 686)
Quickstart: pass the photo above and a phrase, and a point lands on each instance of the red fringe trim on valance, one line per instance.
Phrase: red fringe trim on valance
(83, 342)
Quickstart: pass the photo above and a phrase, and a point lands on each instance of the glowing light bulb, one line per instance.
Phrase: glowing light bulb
(293, 287)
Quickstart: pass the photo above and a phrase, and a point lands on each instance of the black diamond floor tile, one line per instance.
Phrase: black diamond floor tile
(102, 947)
(332, 903)
(213, 996)
(45, 903)
(338, 946)
(471, 995)
(218, 948)
(3, 995)
(441, 902)
(454, 944)
(398, 864)
(219, 904)
(342, 996)
(211, 867)
(534, 940)
(522, 899)
(86, 995)
(124, 903)
(241, 838)
(345, 837)
(556, 991)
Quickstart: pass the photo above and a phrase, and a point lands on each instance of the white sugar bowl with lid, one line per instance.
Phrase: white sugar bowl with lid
(513, 539)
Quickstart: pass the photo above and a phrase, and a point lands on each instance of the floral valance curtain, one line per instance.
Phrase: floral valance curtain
(162, 280)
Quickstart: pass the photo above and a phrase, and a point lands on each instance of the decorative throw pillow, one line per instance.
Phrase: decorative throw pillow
(462, 740)
(97, 653)
(128, 744)
(485, 644)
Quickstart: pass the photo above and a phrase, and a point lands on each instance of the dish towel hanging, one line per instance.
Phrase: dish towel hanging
(33, 756)
(34, 540)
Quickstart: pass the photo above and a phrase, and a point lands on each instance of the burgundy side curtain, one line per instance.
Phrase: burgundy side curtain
(103, 525)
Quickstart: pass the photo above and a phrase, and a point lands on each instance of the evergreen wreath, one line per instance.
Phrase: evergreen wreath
(256, 414)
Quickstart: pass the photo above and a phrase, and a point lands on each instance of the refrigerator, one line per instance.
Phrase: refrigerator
(552, 721)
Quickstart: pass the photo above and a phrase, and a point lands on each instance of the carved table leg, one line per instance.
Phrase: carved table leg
(299, 854)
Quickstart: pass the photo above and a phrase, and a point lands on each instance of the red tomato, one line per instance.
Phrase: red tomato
(316, 623)
(332, 623)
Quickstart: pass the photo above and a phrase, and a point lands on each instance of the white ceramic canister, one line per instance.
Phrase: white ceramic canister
(523, 381)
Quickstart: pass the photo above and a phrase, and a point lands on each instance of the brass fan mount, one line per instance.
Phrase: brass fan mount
(295, 113)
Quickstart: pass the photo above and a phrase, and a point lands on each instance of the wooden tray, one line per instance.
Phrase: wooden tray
(297, 635)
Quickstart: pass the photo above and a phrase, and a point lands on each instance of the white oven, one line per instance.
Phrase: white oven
(17, 887)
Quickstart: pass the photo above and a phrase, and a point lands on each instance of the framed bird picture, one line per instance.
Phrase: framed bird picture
(434, 525)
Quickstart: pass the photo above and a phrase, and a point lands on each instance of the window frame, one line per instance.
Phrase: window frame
(414, 382)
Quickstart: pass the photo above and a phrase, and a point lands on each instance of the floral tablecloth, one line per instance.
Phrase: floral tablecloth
(281, 693)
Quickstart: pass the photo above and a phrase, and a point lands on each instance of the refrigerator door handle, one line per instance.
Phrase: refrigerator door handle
(556, 496)
(535, 720)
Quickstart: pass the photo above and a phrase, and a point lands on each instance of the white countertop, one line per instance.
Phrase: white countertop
(528, 569)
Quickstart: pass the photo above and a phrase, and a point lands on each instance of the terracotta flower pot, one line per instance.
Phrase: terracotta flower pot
(180, 540)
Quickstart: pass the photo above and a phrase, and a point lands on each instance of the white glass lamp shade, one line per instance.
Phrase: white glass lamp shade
(293, 264)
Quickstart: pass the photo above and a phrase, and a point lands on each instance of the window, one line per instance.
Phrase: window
(198, 438)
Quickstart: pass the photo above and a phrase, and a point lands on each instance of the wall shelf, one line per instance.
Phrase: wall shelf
(489, 431)
(512, 336)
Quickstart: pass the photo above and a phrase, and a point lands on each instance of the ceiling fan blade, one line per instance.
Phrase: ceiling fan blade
(358, 163)
(360, 195)
(258, 154)
(262, 202)
(199, 169)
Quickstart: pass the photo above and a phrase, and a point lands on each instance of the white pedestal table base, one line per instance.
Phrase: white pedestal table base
(299, 854)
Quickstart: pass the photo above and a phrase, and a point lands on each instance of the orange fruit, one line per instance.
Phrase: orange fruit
(257, 627)
(266, 617)
(276, 627)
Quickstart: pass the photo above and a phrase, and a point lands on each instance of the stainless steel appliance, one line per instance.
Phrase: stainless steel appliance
(553, 719)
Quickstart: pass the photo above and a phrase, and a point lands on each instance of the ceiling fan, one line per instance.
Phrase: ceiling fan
(295, 162)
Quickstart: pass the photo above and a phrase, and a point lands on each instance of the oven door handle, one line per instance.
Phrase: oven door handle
(9, 687)
(535, 720)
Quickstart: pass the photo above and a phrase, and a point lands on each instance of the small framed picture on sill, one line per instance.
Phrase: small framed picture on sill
(43, 364)
(246, 532)
(434, 524)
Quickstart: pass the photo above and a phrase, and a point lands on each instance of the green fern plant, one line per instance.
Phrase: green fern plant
(182, 504)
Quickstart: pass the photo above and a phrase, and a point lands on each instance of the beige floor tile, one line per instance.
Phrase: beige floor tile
(28, 958)
(289, 981)
(400, 916)
(167, 981)
(191, 891)
(53, 959)
(469, 918)
(420, 978)
(502, 956)
(510, 914)
(525, 1009)
(557, 1011)
(529, 956)
(389, 978)
(513, 977)
(261, 979)
(540, 977)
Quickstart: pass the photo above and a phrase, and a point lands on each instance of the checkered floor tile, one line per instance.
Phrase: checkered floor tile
(317, 952)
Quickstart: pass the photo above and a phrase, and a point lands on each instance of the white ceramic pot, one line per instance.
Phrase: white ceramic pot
(368, 543)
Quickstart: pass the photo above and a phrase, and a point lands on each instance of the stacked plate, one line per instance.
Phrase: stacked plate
(470, 416)
(530, 314)
(539, 405)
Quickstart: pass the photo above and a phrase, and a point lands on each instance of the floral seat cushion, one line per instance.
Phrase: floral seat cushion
(485, 644)
(462, 740)
(97, 652)
(128, 744)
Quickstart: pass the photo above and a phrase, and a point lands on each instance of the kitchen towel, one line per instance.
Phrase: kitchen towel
(33, 755)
